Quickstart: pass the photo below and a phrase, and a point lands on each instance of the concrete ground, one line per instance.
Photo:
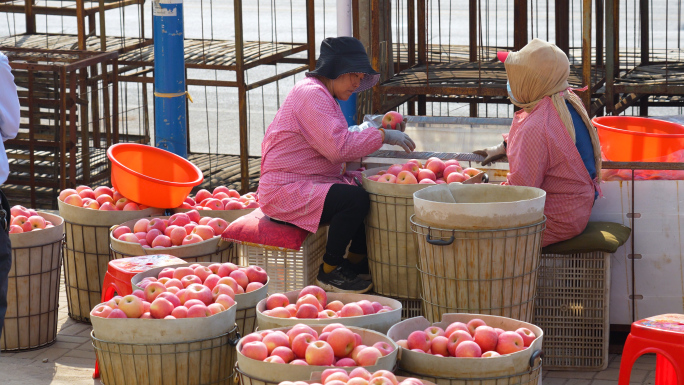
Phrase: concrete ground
(71, 359)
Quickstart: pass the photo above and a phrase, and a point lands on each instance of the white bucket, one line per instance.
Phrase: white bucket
(479, 206)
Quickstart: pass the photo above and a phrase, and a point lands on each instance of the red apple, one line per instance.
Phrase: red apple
(395, 169)
(456, 338)
(317, 292)
(256, 350)
(301, 342)
(342, 341)
(391, 119)
(320, 353)
(368, 356)
(425, 173)
(468, 349)
(526, 334)
(276, 300)
(160, 308)
(200, 292)
(486, 337)
(510, 342)
(257, 274)
(406, 177)
(199, 311)
(101, 311)
(473, 324)
(153, 290)
(132, 306)
(455, 326)
(439, 345)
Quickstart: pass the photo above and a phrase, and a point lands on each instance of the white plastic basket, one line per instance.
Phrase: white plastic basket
(288, 270)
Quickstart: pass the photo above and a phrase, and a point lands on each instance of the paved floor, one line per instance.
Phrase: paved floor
(71, 359)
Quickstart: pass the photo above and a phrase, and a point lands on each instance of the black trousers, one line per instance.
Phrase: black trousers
(345, 209)
(5, 258)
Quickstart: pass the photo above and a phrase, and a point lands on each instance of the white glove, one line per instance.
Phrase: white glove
(398, 138)
(492, 154)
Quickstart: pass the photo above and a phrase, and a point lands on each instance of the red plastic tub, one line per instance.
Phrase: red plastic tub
(152, 176)
(635, 139)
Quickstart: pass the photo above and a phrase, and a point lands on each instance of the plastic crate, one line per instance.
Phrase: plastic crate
(571, 306)
(288, 270)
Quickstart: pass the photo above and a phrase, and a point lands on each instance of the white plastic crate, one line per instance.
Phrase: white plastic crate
(573, 296)
(288, 270)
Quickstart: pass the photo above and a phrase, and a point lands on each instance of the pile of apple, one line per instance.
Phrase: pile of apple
(312, 302)
(23, 220)
(336, 345)
(185, 292)
(222, 198)
(178, 230)
(101, 198)
(474, 339)
(436, 171)
(358, 376)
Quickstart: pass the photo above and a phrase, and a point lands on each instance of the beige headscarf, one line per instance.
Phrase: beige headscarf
(541, 69)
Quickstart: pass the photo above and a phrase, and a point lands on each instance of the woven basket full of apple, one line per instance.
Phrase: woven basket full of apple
(33, 281)
(314, 306)
(469, 349)
(184, 235)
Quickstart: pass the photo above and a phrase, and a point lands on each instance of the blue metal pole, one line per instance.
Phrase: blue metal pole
(169, 77)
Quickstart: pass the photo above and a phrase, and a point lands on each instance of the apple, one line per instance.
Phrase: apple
(468, 349)
(256, 350)
(387, 178)
(419, 340)
(406, 177)
(386, 374)
(87, 194)
(395, 169)
(179, 219)
(486, 337)
(175, 301)
(327, 314)
(18, 210)
(213, 204)
(383, 347)
(222, 289)
(306, 311)
(180, 312)
(411, 167)
(114, 302)
(89, 203)
(199, 311)
(275, 339)
(218, 225)
(473, 324)
(101, 311)
(425, 173)
(452, 162)
(471, 172)
(177, 235)
(278, 312)
(130, 206)
(391, 119)
(230, 282)
(151, 235)
(173, 282)
(292, 308)
(337, 376)
(345, 363)
(74, 200)
(102, 199)
(14, 229)
(129, 237)
(62, 195)
(233, 205)
(211, 281)
(354, 354)
(334, 306)
(160, 308)
(298, 362)
(439, 345)
(320, 353)
(257, 274)
(436, 166)
(191, 238)
(427, 181)
(498, 331)
(240, 277)
(325, 374)
(115, 313)
(276, 300)
(300, 343)
(139, 293)
(204, 220)
(360, 373)
(153, 290)
(351, 310)
(366, 306)
(192, 302)
(526, 334)
(284, 353)
(317, 292)
(368, 356)
(456, 177)
(200, 292)
(225, 300)
(107, 207)
(451, 169)
(250, 338)
(510, 342)
(156, 223)
(490, 354)
(182, 272)
(403, 344)
(204, 231)
(456, 338)
(252, 286)
(216, 308)
(455, 326)
(225, 269)
(132, 306)
(341, 340)
(161, 241)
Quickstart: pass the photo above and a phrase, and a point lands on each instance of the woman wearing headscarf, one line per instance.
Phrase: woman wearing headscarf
(304, 180)
(552, 144)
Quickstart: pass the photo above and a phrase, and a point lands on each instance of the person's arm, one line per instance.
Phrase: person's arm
(528, 157)
(328, 135)
(9, 101)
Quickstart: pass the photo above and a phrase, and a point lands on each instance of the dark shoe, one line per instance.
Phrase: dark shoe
(342, 280)
(361, 269)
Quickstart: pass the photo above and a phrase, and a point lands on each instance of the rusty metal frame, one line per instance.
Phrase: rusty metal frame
(69, 69)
